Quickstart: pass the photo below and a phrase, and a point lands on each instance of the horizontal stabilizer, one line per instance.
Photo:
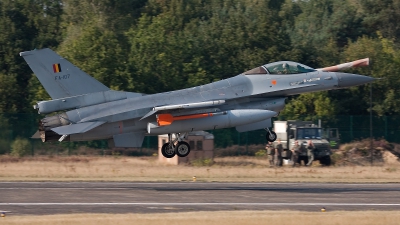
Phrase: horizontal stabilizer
(129, 140)
(77, 128)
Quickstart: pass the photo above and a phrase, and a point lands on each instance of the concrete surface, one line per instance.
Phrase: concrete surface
(42, 198)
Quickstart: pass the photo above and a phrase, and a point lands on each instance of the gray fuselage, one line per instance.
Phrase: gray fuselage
(260, 91)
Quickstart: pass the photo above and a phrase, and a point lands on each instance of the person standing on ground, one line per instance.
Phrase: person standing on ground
(295, 153)
(278, 155)
(271, 153)
(310, 152)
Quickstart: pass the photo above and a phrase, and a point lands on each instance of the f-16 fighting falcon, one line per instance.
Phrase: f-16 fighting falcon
(88, 110)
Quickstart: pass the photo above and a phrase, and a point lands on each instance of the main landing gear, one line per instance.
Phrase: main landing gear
(176, 146)
(271, 136)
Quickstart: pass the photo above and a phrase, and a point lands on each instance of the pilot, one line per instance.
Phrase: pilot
(271, 153)
(276, 70)
(285, 69)
(310, 152)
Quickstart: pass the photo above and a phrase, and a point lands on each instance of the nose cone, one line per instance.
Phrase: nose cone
(349, 80)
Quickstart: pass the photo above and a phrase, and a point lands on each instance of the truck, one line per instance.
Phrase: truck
(302, 131)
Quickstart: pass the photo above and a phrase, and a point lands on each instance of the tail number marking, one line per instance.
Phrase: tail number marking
(63, 77)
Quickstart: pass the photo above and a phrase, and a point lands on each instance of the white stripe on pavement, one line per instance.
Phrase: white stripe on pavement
(190, 204)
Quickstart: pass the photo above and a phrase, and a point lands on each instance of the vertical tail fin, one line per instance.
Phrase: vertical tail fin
(59, 77)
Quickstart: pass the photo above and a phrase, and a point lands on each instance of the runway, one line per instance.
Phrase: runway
(42, 198)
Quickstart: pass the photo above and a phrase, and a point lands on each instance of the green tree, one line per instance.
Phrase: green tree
(21, 147)
(308, 106)
(324, 20)
(172, 48)
(95, 38)
(98, 52)
(385, 63)
(25, 25)
(381, 16)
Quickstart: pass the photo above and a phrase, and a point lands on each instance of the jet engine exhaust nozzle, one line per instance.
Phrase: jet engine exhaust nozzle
(47, 123)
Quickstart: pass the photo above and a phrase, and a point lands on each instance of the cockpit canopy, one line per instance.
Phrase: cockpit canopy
(282, 67)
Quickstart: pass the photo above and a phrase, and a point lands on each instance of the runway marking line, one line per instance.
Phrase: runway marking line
(193, 204)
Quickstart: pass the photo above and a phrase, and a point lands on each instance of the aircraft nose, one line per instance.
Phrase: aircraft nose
(349, 80)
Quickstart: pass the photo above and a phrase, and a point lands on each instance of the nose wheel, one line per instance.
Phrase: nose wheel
(271, 136)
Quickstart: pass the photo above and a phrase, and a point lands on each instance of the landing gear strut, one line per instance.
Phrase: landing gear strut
(182, 148)
(271, 136)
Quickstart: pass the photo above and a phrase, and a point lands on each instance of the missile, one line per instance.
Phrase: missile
(357, 63)
(184, 106)
(189, 105)
(208, 121)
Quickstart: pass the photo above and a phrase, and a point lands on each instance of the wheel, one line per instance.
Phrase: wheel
(326, 161)
(182, 149)
(271, 136)
(168, 151)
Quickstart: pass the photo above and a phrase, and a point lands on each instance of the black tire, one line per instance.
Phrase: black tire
(271, 136)
(182, 149)
(168, 151)
(326, 161)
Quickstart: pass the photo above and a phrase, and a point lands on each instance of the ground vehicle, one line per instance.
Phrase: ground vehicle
(290, 131)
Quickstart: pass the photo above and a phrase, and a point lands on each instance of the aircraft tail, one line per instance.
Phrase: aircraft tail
(59, 77)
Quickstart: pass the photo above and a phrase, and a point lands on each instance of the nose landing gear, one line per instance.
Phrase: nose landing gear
(182, 148)
(271, 136)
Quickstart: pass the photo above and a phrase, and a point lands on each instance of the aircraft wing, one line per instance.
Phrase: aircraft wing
(77, 128)
(196, 107)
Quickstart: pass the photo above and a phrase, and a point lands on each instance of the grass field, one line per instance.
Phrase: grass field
(220, 218)
(235, 169)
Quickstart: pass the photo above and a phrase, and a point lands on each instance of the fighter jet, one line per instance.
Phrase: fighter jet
(88, 110)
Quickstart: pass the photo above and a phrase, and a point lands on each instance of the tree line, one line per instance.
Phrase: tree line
(152, 46)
